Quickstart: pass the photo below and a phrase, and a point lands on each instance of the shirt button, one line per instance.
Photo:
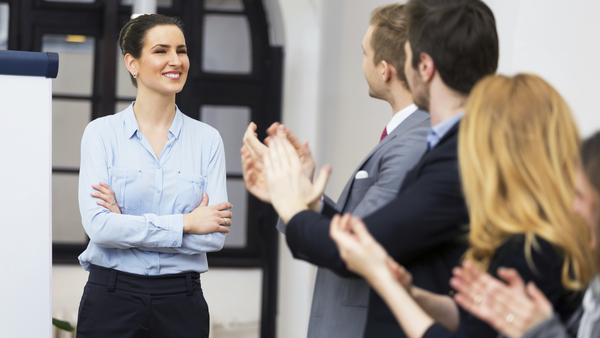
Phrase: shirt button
(158, 167)
(157, 191)
(175, 243)
(155, 259)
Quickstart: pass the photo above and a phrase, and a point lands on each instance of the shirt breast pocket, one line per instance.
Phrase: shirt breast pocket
(127, 185)
(189, 192)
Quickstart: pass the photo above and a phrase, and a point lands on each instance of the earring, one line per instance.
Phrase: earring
(134, 75)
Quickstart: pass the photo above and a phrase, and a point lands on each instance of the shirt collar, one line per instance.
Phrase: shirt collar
(399, 117)
(132, 127)
(438, 131)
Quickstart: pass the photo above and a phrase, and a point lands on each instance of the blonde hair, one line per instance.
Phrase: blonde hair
(518, 151)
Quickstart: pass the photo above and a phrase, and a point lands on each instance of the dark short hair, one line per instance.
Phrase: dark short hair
(133, 34)
(389, 36)
(459, 35)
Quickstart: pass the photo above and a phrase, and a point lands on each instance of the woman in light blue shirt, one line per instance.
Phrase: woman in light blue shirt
(146, 177)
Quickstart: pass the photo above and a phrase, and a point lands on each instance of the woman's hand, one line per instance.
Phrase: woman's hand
(207, 219)
(401, 275)
(363, 254)
(107, 197)
(511, 308)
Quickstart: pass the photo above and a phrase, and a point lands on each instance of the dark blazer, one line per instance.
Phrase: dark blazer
(423, 229)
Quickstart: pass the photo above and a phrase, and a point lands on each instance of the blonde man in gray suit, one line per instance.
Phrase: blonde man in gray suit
(339, 306)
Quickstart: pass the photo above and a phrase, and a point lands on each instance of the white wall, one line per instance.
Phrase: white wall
(557, 40)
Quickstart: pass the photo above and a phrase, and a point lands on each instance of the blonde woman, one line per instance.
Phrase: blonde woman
(518, 151)
(535, 313)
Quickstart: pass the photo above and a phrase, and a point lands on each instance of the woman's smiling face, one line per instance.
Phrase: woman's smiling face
(164, 64)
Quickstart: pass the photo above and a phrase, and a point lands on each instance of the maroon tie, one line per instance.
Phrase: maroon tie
(384, 134)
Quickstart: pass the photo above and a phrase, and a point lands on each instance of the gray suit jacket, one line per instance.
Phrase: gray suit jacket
(339, 305)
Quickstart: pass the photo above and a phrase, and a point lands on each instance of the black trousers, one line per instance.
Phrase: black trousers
(117, 304)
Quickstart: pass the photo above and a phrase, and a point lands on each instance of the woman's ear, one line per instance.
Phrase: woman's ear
(131, 64)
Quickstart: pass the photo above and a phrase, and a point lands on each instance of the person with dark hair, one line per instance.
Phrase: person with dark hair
(534, 315)
(144, 185)
(424, 227)
(339, 305)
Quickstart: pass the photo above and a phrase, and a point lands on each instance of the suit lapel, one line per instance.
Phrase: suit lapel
(411, 175)
(413, 119)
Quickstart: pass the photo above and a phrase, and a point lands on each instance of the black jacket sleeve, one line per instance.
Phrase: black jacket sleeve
(428, 211)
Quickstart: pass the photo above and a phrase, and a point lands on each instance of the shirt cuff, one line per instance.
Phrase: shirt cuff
(175, 231)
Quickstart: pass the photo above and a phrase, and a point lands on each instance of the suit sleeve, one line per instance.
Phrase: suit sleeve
(427, 213)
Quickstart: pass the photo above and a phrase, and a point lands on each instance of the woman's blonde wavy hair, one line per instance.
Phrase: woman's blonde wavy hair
(518, 151)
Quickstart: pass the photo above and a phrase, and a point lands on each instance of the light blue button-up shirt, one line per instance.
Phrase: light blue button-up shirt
(153, 194)
(438, 131)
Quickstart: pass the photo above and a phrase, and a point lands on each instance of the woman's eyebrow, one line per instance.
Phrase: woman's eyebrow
(167, 46)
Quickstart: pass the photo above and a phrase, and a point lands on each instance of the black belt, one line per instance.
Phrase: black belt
(156, 285)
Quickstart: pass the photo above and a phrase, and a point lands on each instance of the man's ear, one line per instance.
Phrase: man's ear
(426, 67)
(131, 63)
(387, 71)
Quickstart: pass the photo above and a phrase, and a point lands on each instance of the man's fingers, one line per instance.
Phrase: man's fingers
(295, 141)
(253, 145)
(275, 154)
(321, 182)
(272, 130)
(279, 155)
(291, 154)
(269, 171)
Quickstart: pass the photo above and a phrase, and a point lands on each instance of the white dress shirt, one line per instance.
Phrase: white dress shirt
(399, 117)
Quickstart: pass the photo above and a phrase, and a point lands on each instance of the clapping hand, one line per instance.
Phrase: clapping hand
(290, 190)
(511, 308)
(363, 254)
(253, 163)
